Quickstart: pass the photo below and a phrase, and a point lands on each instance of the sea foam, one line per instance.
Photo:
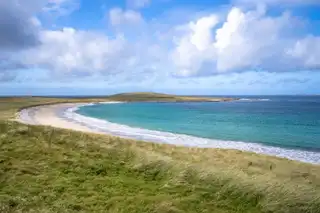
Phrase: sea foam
(253, 99)
(184, 140)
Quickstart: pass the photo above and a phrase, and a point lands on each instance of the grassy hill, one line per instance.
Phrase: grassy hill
(44, 169)
(158, 97)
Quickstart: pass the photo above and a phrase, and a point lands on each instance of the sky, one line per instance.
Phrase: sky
(203, 47)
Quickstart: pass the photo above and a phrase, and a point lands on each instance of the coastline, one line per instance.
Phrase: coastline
(64, 116)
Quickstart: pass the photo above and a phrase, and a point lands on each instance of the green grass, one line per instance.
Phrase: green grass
(44, 169)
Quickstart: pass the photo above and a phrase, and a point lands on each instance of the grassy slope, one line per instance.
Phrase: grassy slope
(51, 170)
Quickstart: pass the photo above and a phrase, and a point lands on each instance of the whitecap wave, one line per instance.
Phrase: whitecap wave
(112, 102)
(76, 108)
(254, 99)
(104, 126)
(264, 99)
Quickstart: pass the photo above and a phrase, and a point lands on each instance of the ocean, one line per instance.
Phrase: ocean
(280, 123)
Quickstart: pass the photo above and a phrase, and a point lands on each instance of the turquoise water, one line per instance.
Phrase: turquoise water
(281, 121)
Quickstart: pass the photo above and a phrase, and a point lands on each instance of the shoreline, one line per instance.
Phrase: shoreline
(64, 116)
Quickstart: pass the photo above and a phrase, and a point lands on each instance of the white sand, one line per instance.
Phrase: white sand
(48, 115)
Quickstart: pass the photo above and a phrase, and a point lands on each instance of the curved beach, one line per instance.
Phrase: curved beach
(64, 116)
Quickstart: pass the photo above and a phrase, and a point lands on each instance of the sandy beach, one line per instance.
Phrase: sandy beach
(49, 115)
(64, 116)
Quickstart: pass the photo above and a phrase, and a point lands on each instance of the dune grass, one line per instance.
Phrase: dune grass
(44, 169)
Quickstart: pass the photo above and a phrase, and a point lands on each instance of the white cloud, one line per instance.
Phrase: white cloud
(138, 3)
(74, 53)
(249, 39)
(246, 40)
(118, 17)
(210, 45)
(195, 46)
(69, 50)
(307, 52)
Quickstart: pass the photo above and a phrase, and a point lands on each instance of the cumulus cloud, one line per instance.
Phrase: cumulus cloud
(118, 17)
(245, 40)
(17, 24)
(69, 50)
(306, 52)
(213, 44)
(75, 53)
(249, 40)
(195, 47)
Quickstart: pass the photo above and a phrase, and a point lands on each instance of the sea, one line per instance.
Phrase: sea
(285, 126)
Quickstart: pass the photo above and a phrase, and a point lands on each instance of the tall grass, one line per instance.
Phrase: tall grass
(53, 170)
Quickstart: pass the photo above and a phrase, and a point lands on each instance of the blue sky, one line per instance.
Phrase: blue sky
(85, 47)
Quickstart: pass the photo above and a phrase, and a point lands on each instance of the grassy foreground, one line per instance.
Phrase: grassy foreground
(44, 169)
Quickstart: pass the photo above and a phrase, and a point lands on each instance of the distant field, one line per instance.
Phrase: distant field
(44, 169)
